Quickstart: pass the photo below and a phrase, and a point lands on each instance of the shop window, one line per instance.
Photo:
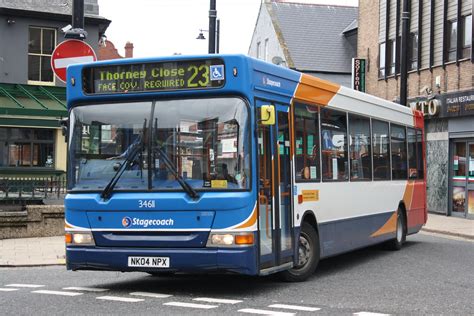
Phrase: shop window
(467, 36)
(359, 148)
(41, 44)
(451, 40)
(412, 154)
(306, 143)
(21, 147)
(334, 145)
(413, 51)
(382, 60)
(399, 152)
(380, 147)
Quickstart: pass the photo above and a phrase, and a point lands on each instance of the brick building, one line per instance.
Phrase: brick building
(440, 82)
(108, 51)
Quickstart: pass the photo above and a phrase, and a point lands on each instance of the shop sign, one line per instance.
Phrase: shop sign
(446, 105)
(358, 74)
(458, 104)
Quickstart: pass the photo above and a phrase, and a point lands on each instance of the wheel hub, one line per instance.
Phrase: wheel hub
(304, 251)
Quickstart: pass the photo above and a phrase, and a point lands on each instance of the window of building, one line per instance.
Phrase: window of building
(380, 148)
(307, 143)
(392, 55)
(41, 44)
(22, 147)
(359, 149)
(467, 36)
(452, 40)
(413, 51)
(334, 145)
(399, 152)
(258, 49)
(266, 49)
(382, 60)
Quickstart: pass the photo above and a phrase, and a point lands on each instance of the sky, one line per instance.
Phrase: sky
(167, 27)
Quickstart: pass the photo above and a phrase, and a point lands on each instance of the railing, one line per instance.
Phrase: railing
(16, 190)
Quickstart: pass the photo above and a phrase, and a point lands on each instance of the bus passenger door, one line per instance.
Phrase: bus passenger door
(274, 192)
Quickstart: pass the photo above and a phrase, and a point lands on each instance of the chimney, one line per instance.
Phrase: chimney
(128, 50)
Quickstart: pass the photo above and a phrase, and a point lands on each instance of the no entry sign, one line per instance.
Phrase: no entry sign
(70, 52)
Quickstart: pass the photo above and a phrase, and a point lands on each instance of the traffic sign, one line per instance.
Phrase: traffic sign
(70, 52)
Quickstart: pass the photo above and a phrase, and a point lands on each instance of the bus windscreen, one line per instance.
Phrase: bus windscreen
(159, 76)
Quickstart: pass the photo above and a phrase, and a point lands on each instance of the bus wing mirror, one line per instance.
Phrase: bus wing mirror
(64, 128)
(267, 115)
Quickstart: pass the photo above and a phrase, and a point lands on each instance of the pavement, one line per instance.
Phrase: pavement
(42, 251)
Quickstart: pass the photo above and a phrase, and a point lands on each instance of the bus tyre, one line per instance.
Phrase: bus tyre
(400, 232)
(308, 252)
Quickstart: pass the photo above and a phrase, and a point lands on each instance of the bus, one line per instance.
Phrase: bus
(229, 164)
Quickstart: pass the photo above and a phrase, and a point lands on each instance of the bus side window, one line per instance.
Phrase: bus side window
(420, 154)
(360, 149)
(306, 143)
(399, 152)
(412, 159)
(334, 145)
(380, 147)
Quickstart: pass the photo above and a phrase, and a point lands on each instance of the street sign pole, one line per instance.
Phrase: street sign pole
(77, 31)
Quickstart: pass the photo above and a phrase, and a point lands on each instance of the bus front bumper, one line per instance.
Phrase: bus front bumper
(199, 260)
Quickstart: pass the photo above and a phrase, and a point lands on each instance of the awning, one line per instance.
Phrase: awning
(31, 105)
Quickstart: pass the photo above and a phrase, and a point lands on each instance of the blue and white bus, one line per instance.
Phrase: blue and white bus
(225, 163)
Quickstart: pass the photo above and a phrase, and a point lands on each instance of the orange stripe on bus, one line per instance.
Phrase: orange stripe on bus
(251, 221)
(389, 227)
(408, 195)
(315, 90)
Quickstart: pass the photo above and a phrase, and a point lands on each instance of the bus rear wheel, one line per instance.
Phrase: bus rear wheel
(308, 256)
(400, 232)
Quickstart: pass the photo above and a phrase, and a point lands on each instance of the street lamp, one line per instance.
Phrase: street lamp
(215, 47)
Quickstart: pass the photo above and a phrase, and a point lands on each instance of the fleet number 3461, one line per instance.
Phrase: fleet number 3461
(146, 203)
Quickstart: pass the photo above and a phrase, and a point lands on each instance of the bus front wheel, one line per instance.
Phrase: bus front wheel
(308, 256)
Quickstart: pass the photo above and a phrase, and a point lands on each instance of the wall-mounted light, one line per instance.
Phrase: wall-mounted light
(10, 21)
(103, 40)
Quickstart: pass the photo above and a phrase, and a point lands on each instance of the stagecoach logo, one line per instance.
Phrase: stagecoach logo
(269, 82)
(126, 221)
(145, 223)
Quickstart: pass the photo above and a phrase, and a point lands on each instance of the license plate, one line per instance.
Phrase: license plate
(149, 262)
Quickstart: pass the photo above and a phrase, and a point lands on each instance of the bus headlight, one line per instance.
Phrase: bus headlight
(230, 240)
(80, 239)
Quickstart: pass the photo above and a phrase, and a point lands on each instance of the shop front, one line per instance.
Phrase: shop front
(449, 122)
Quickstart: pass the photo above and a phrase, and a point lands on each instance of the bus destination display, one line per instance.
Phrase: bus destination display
(144, 77)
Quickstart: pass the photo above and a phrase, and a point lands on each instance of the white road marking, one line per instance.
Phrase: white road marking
(370, 314)
(2, 289)
(191, 305)
(217, 300)
(295, 307)
(264, 312)
(120, 299)
(63, 293)
(25, 285)
(148, 294)
(86, 289)
(64, 62)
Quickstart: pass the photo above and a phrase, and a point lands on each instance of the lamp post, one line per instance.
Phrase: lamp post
(212, 27)
(216, 38)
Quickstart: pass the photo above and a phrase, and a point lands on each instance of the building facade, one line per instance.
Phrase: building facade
(32, 100)
(320, 40)
(440, 83)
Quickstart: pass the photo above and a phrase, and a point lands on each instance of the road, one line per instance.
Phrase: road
(430, 275)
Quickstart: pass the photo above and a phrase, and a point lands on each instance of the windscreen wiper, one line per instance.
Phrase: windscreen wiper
(171, 167)
(133, 151)
(169, 164)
